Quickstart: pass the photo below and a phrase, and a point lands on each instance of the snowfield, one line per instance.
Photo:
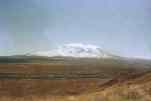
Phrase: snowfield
(75, 50)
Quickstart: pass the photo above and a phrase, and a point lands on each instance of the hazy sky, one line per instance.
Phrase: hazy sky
(119, 26)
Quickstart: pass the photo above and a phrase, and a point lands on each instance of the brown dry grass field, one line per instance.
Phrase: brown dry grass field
(79, 81)
(136, 89)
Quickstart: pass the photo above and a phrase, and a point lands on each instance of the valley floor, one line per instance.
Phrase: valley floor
(132, 89)
(109, 81)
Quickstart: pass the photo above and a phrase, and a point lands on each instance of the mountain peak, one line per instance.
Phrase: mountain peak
(75, 50)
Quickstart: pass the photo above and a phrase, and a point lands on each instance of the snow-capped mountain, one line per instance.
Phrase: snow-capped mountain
(75, 50)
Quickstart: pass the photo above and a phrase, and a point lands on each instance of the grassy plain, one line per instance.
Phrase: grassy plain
(69, 79)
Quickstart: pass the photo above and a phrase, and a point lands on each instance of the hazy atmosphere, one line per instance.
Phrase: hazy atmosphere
(122, 27)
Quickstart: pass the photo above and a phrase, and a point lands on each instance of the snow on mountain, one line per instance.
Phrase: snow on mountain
(75, 50)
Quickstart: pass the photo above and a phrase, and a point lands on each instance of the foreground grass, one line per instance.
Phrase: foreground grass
(129, 89)
(138, 89)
